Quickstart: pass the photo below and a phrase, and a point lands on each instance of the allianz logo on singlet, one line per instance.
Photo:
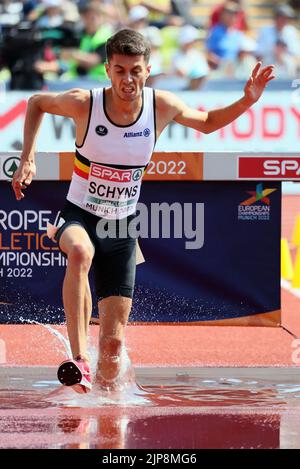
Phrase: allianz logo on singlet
(145, 133)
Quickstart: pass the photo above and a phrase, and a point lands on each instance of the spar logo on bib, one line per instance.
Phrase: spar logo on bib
(112, 192)
(111, 174)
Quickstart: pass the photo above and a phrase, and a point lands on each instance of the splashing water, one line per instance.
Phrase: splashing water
(128, 392)
(54, 332)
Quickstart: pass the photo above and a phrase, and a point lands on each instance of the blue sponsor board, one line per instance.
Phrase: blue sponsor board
(214, 264)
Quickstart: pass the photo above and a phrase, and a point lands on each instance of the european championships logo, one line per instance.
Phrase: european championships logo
(258, 206)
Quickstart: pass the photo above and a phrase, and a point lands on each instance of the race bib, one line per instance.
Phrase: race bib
(112, 193)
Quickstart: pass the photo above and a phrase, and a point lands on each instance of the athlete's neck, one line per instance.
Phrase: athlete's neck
(118, 108)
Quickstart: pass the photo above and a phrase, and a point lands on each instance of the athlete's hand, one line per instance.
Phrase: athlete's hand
(22, 178)
(258, 81)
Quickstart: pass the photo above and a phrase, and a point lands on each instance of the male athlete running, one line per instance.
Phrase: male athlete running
(116, 131)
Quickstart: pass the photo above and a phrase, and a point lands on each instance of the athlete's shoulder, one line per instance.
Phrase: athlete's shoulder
(75, 99)
(79, 100)
(164, 95)
(167, 101)
(70, 103)
(78, 95)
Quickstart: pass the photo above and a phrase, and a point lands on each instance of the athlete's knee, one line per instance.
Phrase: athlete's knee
(120, 306)
(81, 256)
(110, 346)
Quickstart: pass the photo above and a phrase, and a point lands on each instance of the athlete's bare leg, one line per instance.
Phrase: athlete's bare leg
(88, 307)
(113, 316)
(76, 243)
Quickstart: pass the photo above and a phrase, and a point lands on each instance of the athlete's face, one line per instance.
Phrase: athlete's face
(128, 75)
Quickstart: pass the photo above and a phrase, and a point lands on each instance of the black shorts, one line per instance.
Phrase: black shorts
(114, 262)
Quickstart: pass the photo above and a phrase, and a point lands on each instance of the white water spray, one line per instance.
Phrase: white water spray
(128, 391)
(56, 333)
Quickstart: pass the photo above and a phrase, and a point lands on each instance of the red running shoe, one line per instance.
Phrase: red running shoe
(75, 373)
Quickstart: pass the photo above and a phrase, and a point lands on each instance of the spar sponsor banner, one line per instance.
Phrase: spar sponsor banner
(272, 124)
(285, 167)
(211, 250)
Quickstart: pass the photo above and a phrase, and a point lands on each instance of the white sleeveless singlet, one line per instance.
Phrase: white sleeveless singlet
(110, 163)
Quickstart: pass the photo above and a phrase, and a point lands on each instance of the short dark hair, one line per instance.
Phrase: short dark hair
(128, 42)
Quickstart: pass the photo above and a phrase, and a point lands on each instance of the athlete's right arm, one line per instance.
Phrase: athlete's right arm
(68, 104)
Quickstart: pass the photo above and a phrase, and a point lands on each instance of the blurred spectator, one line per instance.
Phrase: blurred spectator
(70, 13)
(246, 59)
(23, 46)
(44, 12)
(57, 19)
(224, 41)
(242, 66)
(88, 60)
(138, 18)
(27, 45)
(295, 4)
(282, 30)
(160, 12)
(10, 12)
(115, 12)
(170, 43)
(240, 18)
(285, 64)
(153, 35)
(189, 62)
(39, 50)
(52, 16)
(182, 9)
(30, 6)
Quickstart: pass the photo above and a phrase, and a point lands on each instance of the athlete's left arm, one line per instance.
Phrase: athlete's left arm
(210, 121)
